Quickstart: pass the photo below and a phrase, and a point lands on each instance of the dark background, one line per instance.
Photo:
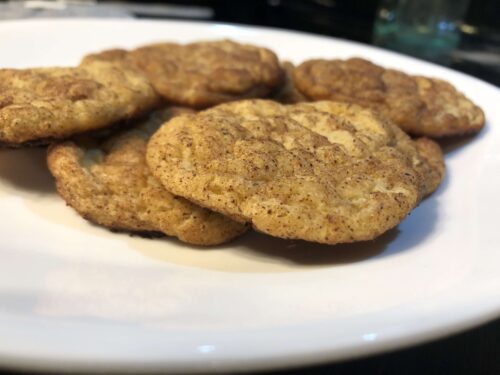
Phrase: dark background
(478, 52)
(354, 20)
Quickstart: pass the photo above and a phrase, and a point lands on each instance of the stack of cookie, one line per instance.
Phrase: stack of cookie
(129, 151)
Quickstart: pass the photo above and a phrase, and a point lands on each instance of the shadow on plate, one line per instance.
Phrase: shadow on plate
(452, 144)
(26, 169)
(257, 252)
(258, 245)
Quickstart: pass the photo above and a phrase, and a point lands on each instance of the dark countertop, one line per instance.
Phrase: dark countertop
(474, 352)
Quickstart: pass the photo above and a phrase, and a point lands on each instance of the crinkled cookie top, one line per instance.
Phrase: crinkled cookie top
(111, 185)
(419, 105)
(203, 74)
(326, 172)
(52, 103)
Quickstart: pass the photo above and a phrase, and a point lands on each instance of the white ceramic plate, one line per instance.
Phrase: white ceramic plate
(75, 295)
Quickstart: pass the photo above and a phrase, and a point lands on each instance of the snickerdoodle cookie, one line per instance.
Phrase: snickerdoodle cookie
(110, 184)
(42, 104)
(419, 105)
(327, 172)
(202, 74)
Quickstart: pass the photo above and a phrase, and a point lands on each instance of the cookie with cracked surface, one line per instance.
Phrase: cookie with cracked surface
(41, 104)
(326, 172)
(419, 105)
(111, 185)
(203, 74)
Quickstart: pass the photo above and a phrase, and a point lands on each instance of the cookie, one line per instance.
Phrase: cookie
(205, 73)
(421, 106)
(325, 172)
(41, 104)
(110, 184)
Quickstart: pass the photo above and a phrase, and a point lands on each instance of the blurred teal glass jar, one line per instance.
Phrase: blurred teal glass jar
(429, 29)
